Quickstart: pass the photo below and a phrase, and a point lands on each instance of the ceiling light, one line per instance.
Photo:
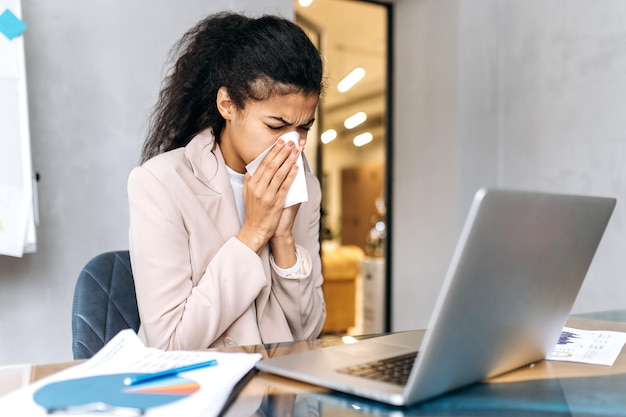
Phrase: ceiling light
(329, 136)
(348, 82)
(362, 139)
(305, 3)
(355, 120)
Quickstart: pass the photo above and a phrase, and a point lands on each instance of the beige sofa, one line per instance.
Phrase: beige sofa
(340, 267)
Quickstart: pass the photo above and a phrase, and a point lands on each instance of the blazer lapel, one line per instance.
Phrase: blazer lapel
(209, 167)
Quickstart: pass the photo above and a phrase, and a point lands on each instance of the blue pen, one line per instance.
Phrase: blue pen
(168, 372)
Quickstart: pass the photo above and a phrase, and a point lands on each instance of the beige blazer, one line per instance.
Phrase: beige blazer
(197, 285)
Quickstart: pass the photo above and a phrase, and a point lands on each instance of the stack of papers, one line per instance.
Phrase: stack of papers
(98, 384)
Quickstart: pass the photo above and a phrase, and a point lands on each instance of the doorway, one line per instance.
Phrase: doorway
(351, 150)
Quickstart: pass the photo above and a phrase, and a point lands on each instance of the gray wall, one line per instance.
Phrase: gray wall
(93, 70)
(528, 94)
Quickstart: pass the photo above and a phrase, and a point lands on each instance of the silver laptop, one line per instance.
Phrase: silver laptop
(518, 266)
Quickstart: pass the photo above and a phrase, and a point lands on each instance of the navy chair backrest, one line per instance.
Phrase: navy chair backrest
(104, 303)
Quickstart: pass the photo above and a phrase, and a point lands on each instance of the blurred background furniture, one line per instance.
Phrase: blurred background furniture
(373, 292)
(340, 267)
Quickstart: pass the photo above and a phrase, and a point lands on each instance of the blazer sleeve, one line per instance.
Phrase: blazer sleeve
(300, 296)
(178, 311)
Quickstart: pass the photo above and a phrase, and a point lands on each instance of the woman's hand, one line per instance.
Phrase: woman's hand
(283, 242)
(264, 196)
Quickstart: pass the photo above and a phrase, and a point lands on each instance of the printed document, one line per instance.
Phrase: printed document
(97, 386)
(598, 347)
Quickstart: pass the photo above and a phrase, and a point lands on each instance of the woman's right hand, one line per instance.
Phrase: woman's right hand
(264, 194)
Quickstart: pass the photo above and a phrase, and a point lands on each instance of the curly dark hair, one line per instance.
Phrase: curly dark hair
(253, 58)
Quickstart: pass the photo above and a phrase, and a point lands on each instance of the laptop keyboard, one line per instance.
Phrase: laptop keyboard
(394, 370)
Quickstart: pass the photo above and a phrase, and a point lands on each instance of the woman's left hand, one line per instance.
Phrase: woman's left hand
(283, 243)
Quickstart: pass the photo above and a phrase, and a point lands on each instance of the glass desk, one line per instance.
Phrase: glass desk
(548, 388)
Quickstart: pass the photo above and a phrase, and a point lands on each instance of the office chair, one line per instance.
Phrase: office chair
(104, 303)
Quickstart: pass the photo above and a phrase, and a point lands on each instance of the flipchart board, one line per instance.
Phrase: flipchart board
(18, 214)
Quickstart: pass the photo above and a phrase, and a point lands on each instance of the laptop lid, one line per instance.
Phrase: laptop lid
(514, 276)
(518, 267)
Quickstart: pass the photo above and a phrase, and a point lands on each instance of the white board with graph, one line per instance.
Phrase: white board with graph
(18, 215)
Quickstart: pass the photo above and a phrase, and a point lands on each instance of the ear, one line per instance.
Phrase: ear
(224, 104)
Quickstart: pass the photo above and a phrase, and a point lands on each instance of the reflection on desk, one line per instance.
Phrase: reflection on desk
(565, 397)
(547, 389)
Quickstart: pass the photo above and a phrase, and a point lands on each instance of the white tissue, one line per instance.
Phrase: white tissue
(297, 192)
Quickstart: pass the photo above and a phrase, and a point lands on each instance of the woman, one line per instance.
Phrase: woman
(217, 259)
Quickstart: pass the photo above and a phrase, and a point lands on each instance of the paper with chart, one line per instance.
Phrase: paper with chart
(98, 384)
(599, 347)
